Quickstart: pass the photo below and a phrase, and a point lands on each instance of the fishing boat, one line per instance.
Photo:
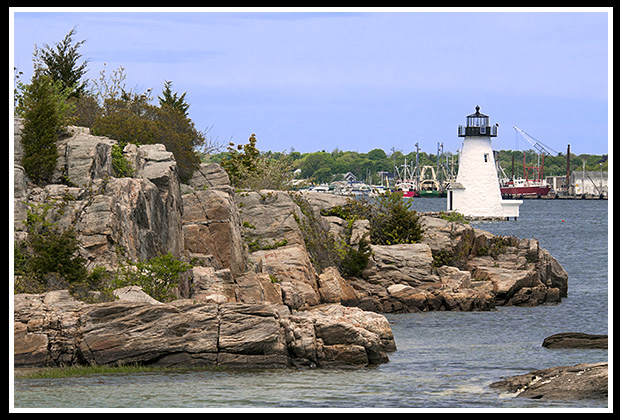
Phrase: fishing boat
(407, 187)
(524, 187)
(533, 183)
(429, 187)
(407, 184)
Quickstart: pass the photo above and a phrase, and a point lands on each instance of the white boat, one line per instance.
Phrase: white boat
(319, 188)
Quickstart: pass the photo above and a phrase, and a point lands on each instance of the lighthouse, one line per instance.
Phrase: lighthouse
(476, 191)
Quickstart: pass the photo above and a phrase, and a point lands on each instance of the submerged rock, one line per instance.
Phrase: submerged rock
(575, 340)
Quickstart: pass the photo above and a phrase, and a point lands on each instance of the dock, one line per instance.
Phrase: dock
(561, 197)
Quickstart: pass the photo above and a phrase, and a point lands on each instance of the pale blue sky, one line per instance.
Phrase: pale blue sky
(355, 80)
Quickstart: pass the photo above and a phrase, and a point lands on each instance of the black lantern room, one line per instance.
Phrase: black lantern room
(478, 126)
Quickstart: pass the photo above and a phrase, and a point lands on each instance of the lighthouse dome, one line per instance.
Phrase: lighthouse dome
(477, 126)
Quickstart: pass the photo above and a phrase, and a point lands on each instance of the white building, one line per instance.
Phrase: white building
(476, 191)
(593, 183)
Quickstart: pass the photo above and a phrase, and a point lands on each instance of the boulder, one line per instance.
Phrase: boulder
(45, 329)
(552, 274)
(251, 334)
(348, 337)
(409, 299)
(334, 289)
(578, 382)
(211, 222)
(403, 263)
(158, 165)
(116, 333)
(210, 175)
(321, 201)
(291, 267)
(505, 282)
(83, 159)
(269, 219)
(134, 294)
(211, 226)
(213, 286)
(258, 287)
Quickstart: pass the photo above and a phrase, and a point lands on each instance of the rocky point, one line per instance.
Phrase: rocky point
(253, 296)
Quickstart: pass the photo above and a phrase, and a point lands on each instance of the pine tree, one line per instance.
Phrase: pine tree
(44, 108)
(172, 99)
(61, 63)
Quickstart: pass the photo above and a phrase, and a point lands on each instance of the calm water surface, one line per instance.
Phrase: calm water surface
(444, 359)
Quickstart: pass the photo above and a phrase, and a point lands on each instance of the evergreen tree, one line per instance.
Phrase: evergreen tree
(172, 99)
(61, 63)
(43, 106)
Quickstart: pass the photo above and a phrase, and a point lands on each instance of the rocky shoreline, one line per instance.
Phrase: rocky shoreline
(54, 329)
(253, 296)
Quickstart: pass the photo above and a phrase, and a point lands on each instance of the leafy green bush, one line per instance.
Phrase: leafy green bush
(249, 169)
(120, 165)
(48, 258)
(131, 119)
(453, 216)
(391, 219)
(393, 222)
(155, 276)
(84, 110)
(324, 248)
(354, 259)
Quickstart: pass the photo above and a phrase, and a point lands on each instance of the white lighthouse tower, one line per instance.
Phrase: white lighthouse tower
(476, 191)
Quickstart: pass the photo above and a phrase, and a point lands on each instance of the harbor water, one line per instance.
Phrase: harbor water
(444, 359)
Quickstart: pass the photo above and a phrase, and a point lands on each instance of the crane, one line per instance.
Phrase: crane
(541, 147)
(536, 171)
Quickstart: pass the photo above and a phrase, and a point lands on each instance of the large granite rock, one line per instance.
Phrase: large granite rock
(131, 218)
(269, 219)
(211, 226)
(53, 329)
(411, 264)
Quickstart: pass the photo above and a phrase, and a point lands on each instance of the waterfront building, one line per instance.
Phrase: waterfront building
(591, 183)
(476, 191)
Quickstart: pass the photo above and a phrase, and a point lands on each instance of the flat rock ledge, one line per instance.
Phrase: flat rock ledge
(53, 329)
(578, 382)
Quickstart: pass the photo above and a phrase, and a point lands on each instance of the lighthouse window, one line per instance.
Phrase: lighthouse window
(486, 157)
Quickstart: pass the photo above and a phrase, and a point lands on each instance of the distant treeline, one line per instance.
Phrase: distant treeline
(325, 166)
